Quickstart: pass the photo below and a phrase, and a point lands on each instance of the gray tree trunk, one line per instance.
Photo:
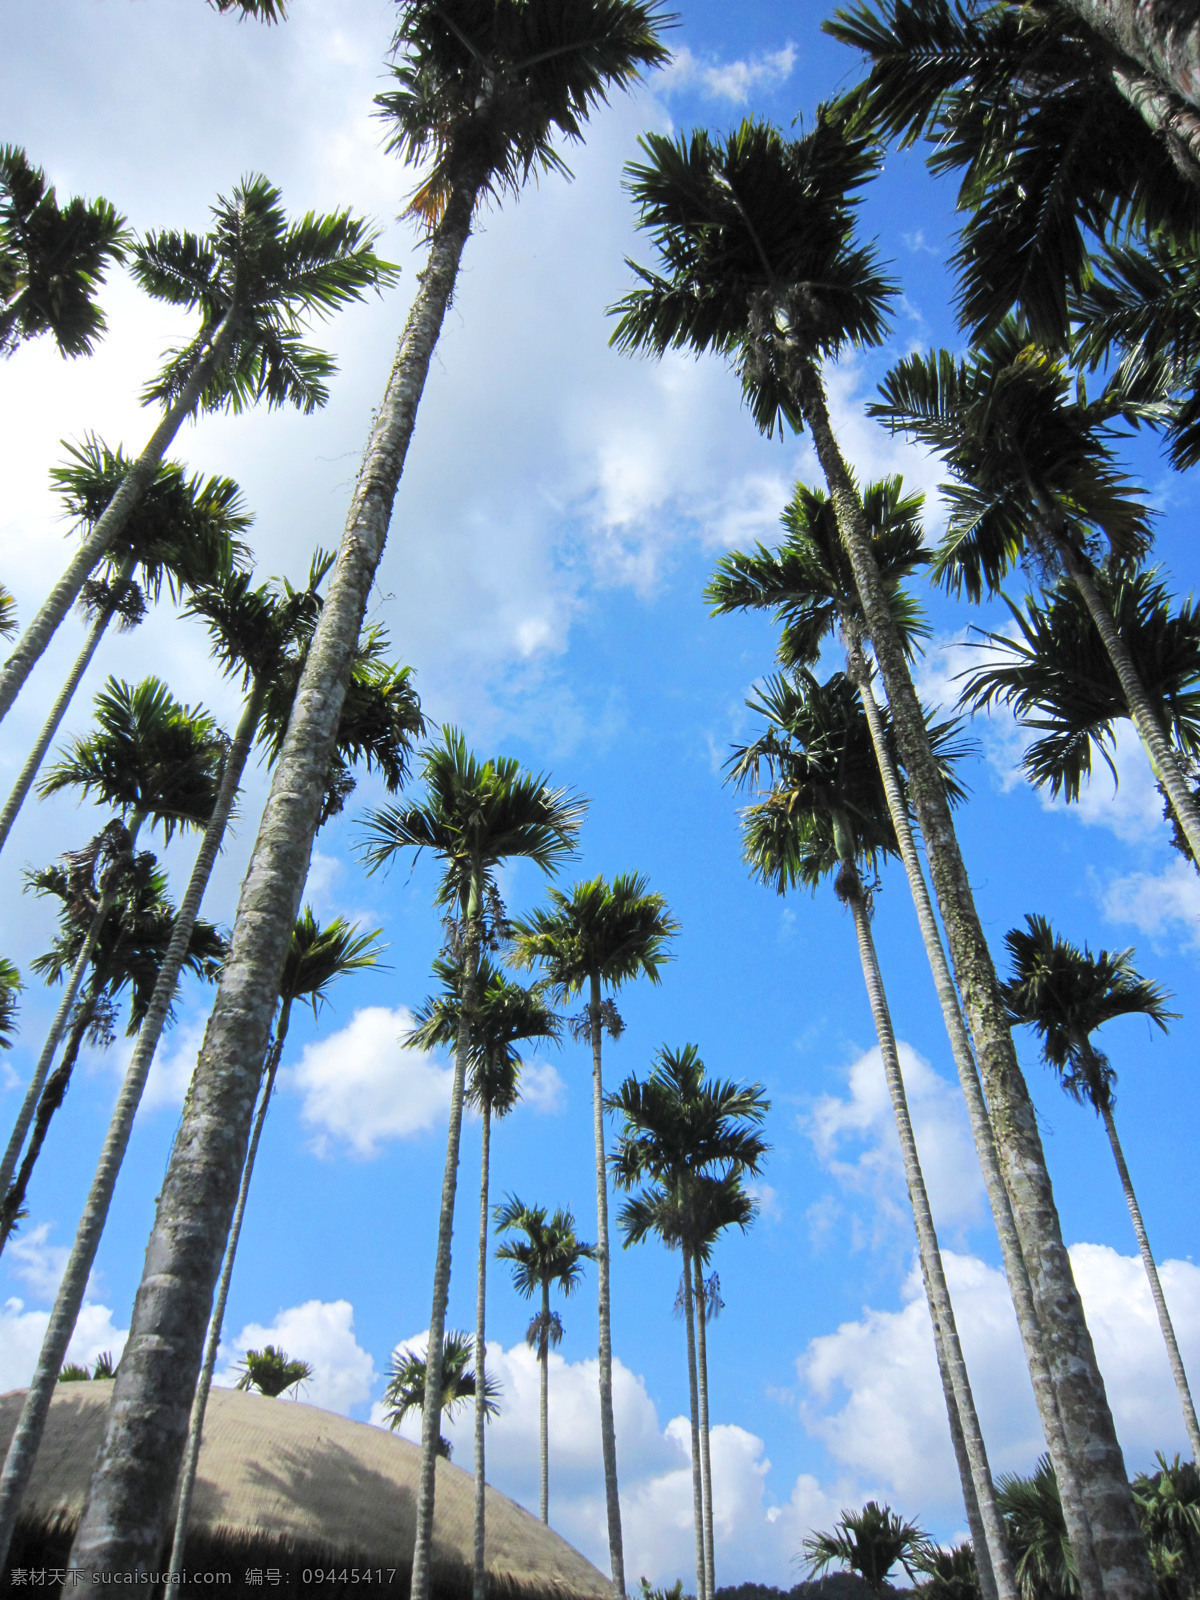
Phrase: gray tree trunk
(1163, 759)
(479, 1574)
(1078, 1528)
(608, 1432)
(61, 1016)
(191, 1458)
(1083, 1404)
(58, 711)
(988, 1532)
(26, 1439)
(431, 1412)
(705, 1453)
(127, 1515)
(1161, 36)
(544, 1400)
(694, 1418)
(1156, 1290)
(111, 522)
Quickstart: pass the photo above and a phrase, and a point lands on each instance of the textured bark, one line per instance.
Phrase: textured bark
(431, 1412)
(608, 1432)
(1078, 1528)
(544, 1400)
(127, 1515)
(61, 1018)
(1161, 36)
(58, 711)
(988, 1532)
(1176, 121)
(23, 1447)
(191, 1458)
(1163, 760)
(694, 1417)
(705, 1453)
(479, 1572)
(1083, 1404)
(111, 522)
(1156, 1290)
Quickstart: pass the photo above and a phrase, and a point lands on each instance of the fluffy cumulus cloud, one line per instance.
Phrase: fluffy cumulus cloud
(38, 1266)
(321, 1333)
(733, 80)
(1162, 904)
(364, 1086)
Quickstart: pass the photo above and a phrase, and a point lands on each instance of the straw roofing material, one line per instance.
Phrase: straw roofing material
(287, 1486)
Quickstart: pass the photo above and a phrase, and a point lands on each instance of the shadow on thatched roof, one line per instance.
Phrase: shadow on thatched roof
(286, 1487)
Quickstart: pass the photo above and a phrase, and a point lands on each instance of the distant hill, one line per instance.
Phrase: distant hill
(835, 1586)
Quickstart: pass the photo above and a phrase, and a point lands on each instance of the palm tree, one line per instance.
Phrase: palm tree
(1035, 471)
(1065, 994)
(869, 1542)
(316, 958)
(1037, 1531)
(549, 1256)
(505, 1016)
(1059, 679)
(127, 956)
(599, 936)
(183, 532)
(1169, 1506)
(808, 586)
(149, 758)
(474, 816)
(10, 988)
(484, 91)
(272, 1372)
(761, 262)
(827, 815)
(408, 1384)
(692, 1139)
(52, 259)
(8, 614)
(262, 10)
(255, 280)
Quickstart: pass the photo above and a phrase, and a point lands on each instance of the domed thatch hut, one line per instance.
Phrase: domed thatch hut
(285, 1492)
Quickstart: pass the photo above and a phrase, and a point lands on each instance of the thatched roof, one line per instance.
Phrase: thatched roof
(285, 1485)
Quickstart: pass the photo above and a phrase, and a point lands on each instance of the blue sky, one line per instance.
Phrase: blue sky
(561, 511)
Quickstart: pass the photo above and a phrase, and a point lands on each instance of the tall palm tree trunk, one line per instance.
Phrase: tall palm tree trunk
(1083, 1403)
(62, 1015)
(58, 711)
(1163, 759)
(694, 1418)
(129, 1504)
(544, 1399)
(990, 1534)
(1078, 1528)
(705, 1454)
(1156, 1290)
(27, 1437)
(431, 1412)
(608, 1432)
(191, 1458)
(111, 522)
(479, 1573)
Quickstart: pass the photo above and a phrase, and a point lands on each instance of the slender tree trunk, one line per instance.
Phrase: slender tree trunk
(608, 1432)
(52, 1097)
(988, 1532)
(58, 711)
(191, 1459)
(1162, 38)
(1078, 1528)
(61, 1018)
(705, 1454)
(1156, 1290)
(694, 1417)
(544, 1401)
(129, 1505)
(111, 522)
(1163, 760)
(431, 1413)
(1083, 1404)
(479, 1577)
(27, 1437)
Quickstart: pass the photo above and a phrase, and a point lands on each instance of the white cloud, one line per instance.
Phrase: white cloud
(363, 1086)
(768, 1199)
(321, 1333)
(542, 1087)
(855, 1139)
(1157, 903)
(732, 80)
(38, 1264)
(22, 1332)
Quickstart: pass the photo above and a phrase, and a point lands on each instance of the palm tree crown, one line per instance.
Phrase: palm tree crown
(869, 1542)
(405, 1390)
(619, 931)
